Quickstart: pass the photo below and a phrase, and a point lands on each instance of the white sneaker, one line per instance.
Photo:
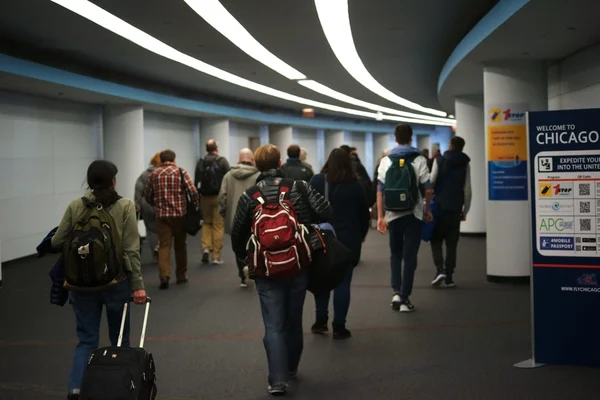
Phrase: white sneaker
(396, 302)
(218, 261)
(243, 285)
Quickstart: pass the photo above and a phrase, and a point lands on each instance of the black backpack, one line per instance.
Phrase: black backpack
(211, 177)
(93, 252)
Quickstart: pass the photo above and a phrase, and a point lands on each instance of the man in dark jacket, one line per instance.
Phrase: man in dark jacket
(451, 179)
(210, 171)
(281, 300)
(294, 168)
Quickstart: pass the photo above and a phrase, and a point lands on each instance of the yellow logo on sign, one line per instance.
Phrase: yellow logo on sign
(545, 190)
(495, 114)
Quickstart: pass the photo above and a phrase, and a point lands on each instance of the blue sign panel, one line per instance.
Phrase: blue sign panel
(564, 170)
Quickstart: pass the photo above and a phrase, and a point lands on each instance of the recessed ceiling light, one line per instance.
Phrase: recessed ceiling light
(335, 21)
(116, 25)
(215, 14)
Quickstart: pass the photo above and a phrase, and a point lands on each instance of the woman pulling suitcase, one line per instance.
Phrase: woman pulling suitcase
(100, 244)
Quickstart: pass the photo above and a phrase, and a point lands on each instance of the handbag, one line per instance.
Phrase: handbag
(330, 258)
(193, 215)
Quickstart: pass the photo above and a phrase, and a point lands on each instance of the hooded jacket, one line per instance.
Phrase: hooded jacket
(296, 170)
(240, 178)
(310, 207)
(148, 212)
(451, 179)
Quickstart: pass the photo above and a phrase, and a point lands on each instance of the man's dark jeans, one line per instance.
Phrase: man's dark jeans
(341, 300)
(282, 303)
(405, 239)
(447, 229)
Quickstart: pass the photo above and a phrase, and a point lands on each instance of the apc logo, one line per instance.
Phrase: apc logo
(555, 224)
(547, 190)
(587, 280)
(500, 115)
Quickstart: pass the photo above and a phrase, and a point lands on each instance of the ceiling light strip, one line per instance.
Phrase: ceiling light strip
(116, 25)
(216, 15)
(219, 18)
(335, 21)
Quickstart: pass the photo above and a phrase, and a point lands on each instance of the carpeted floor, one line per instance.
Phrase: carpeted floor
(206, 337)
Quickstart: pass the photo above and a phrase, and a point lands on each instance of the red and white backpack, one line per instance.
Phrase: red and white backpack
(278, 246)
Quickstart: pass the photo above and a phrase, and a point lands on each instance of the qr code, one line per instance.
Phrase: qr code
(577, 248)
(585, 224)
(585, 207)
(584, 189)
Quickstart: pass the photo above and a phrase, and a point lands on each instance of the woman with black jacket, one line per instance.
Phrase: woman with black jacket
(351, 224)
(281, 300)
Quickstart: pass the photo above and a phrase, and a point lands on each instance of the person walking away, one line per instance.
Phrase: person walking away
(147, 212)
(339, 183)
(208, 178)
(240, 178)
(303, 157)
(451, 180)
(400, 210)
(425, 153)
(294, 168)
(166, 190)
(360, 169)
(121, 274)
(281, 299)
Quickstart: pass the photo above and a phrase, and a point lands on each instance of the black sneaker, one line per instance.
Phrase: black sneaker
(450, 282)
(182, 281)
(205, 257)
(439, 278)
(320, 325)
(340, 332)
(406, 306)
(164, 284)
(279, 389)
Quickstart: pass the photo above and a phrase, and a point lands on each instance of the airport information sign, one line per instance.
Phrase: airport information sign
(564, 185)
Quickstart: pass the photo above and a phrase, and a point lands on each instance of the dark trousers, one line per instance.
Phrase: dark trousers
(341, 300)
(447, 229)
(405, 240)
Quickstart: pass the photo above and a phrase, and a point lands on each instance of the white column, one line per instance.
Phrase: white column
(217, 129)
(470, 126)
(123, 139)
(282, 137)
(369, 161)
(321, 154)
(335, 139)
(507, 222)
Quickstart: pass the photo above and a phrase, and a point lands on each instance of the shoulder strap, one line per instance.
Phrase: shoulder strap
(255, 193)
(285, 188)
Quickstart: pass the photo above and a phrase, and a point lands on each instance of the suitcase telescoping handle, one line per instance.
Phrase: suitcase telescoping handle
(124, 318)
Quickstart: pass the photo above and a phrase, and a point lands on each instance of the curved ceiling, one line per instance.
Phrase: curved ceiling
(402, 46)
(517, 31)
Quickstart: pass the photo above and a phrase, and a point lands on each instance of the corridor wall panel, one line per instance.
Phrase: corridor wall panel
(46, 147)
(307, 138)
(162, 131)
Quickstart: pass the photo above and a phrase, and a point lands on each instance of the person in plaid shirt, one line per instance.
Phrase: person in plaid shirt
(166, 192)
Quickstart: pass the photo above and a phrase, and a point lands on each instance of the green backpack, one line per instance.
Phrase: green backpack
(401, 190)
(93, 252)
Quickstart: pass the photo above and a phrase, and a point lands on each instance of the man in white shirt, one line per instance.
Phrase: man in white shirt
(451, 180)
(404, 226)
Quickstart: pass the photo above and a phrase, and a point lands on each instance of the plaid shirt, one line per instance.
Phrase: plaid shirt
(166, 191)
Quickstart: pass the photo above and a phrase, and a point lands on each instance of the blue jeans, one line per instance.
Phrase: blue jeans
(281, 304)
(341, 300)
(405, 239)
(88, 312)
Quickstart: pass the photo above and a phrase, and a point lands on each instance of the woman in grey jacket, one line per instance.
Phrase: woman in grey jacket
(146, 211)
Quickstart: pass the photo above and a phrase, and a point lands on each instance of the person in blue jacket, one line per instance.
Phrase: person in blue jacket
(339, 182)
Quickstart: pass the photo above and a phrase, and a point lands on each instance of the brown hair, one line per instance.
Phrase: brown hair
(338, 167)
(293, 151)
(403, 134)
(267, 157)
(167, 156)
(155, 160)
(457, 143)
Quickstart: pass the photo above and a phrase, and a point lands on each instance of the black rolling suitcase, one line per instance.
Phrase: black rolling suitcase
(119, 373)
